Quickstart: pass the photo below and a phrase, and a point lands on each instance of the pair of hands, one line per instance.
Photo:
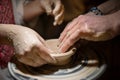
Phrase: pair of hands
(35, 8)
(90, 27)
(30, 47)
(55, 8)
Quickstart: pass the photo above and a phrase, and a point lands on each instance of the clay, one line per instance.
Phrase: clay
(86, 64)
(53, 44)
(62, 58)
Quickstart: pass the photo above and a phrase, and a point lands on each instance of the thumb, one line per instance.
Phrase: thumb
(47, 6)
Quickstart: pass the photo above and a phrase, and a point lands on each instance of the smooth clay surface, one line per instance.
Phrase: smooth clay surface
(53, 44)
(62, 58)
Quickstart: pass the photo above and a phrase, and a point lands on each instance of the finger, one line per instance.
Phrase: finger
(36, 58)
(59, 18)
(33, 57)
(65, 38)
(58, 7)
(41, 39)
(70, 41)
(31, 62)
(47, 6)
(68, 27)
(65, 31)
(26, 61)
(48, 10)
(75, 34)
(68, 34)
(25, 58)
(71, 24)
(44, 53)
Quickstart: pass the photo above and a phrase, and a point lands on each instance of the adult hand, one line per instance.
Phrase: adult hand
(30, 48)
(55, 8)
(89, 27)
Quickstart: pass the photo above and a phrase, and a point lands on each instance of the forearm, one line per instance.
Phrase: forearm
(7, 29)
(32, 10)
(6, 32)
(110, 6)
(115, 22)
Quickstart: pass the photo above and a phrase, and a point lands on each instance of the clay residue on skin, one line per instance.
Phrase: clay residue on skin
(53, 44)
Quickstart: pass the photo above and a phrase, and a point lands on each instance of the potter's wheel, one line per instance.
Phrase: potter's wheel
(86, 64)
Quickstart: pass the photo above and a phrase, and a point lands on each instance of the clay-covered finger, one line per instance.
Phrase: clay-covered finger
(47, 6)
(70, 41)
(45, 54)
(57, 7)
(69, 27)
(26, 61)
(59, 17)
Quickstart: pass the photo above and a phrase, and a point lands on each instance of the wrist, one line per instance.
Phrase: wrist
(32, 10)
(114, 22)
(109, 6)
(96, 11)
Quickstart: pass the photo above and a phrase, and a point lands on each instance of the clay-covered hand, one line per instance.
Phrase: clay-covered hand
(55, 8)
(30, 48)
(89, 27)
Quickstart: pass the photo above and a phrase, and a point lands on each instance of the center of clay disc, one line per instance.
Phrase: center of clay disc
(53, 44)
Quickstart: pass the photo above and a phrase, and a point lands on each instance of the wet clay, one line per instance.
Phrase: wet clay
(62, 58)
(53, 44)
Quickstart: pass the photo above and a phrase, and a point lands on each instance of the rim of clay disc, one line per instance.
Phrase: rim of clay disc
(71, 51)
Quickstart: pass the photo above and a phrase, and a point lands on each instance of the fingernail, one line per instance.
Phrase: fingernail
(58, 43)
(54, 23)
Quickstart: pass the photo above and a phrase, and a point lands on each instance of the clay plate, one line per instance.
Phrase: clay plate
(61, 58)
